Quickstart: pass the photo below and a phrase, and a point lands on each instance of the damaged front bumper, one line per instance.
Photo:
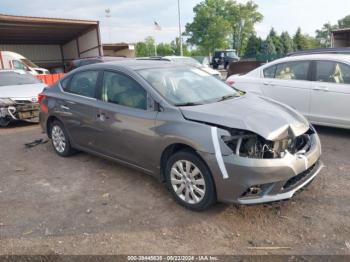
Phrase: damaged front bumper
(255, 181)
(26, 111)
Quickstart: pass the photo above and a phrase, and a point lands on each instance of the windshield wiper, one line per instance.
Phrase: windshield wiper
(188, 104)
(227, 97)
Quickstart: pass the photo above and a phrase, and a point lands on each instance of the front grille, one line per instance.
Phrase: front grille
(296, 179)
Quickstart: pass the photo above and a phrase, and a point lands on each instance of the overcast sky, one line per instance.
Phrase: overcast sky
(132, 20)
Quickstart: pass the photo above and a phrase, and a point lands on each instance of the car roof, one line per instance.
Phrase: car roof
(342, 57)
(134, 64)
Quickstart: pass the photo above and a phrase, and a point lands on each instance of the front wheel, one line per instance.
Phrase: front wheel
(4, 121)
(190, 182)
(60, 139)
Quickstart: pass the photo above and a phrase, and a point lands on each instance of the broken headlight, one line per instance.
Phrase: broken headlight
(6, 102)
(248, 144)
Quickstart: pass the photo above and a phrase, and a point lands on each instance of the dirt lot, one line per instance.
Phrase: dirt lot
(87, 205)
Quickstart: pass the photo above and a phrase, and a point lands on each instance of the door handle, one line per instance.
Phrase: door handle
(102, 116)
(321, 88)
(65, 107)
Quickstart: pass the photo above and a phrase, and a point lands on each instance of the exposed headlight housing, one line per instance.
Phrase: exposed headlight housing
(248, 144)
(6, 102)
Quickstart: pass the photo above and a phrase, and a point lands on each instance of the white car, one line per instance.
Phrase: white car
(13, 61)
(316, 85)
(19, 96)
(193, 62)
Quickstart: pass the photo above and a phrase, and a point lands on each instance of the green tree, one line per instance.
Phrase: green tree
(217, 23)
(268, 50)
(175, 45)
(304, 42)
(344, 22)
(324, 34)
(242, 18)
(277, 42)
(287, 42)
(209, 29)
(164, 49)
(145, 48)
(254, 46)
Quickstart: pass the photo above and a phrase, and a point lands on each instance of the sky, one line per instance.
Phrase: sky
(132, 20)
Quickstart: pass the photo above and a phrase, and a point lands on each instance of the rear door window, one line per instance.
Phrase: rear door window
(83, 83)
(332, 72)
(270, 72)
(293, 70)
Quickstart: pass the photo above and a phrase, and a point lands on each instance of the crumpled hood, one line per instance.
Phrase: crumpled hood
(263, 116)
(21, 91)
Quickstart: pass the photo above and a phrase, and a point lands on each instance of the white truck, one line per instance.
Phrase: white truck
(13, 61)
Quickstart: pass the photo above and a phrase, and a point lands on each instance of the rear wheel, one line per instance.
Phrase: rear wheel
(190, 182)
(60, 140)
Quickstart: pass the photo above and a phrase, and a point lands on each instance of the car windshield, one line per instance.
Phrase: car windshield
(187, 86)
(29, 63)
(12, 78)
(231, 54)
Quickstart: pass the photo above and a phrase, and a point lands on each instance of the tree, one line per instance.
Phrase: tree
(209, 29)
(276, 42)
(175, 46)
(269, 49)
(242, 18)
(287, 42)
(164, 49)
(145, 48)
(303, 42)
(218, 22)
(254, 46)
(344, 22)
(324, 34)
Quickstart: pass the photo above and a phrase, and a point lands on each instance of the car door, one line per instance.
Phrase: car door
(330, 97)
(125, 120)
(289, 83)
(77, 107)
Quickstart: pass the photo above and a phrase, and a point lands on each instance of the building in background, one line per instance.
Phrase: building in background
(340, 38)
(119, 49)
(50, 42)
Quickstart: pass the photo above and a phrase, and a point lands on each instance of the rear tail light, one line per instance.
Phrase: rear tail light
(43, 106)
(230, 82)
(41, 97)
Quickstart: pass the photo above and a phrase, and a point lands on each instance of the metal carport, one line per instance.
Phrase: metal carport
(50, 42)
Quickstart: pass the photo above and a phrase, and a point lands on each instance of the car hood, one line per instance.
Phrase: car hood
(21, 91)
(263, 116)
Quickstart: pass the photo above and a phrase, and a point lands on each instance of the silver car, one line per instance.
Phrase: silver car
(317, 85)
(205, 140)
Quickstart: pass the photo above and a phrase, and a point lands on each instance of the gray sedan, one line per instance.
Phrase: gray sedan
(205, 140)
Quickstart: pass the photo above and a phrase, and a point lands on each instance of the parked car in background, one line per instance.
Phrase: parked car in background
(207, 141)
(13, 61)
(316, 85)
(185, 60)
(19, 97)
(224, 58)
(71, 65)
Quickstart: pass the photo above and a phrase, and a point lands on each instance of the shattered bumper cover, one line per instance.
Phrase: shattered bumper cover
(254, 181)
(20, 111)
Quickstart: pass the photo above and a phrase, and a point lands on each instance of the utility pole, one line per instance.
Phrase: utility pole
(180, 35)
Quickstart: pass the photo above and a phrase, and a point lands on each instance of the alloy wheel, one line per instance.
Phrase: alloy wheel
(58, 139)
(187, 181)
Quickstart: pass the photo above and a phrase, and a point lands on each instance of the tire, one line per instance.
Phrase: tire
(60, 140)
(193, 186)
(4, 122)
(215, 66)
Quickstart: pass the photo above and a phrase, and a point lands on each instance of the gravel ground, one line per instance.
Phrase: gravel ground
(87, 205)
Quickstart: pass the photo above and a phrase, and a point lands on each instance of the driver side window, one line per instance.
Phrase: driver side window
(122, 90)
